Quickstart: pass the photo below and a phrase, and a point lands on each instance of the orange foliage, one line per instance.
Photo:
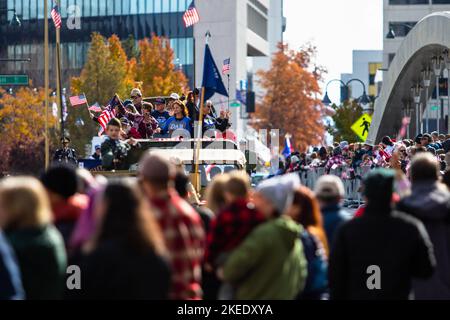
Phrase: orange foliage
(22, 122)
(156, 69)
(290, 103)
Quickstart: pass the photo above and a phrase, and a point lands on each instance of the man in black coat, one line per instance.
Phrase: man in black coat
(430, 203)
(377, 255)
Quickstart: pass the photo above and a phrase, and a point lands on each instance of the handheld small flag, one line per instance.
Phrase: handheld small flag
(95, 108)
(212, 81)
(287, 147)
(77, 100)
(56, 17)
(105, 117)
(108, 113)
(226, 66)
(191, 17)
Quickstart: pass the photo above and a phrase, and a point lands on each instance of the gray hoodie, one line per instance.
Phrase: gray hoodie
(430, 202)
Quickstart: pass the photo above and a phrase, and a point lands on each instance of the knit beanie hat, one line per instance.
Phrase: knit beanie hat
(280, 190)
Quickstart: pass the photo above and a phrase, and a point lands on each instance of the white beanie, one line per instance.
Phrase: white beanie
(329, 186)
(280, 190)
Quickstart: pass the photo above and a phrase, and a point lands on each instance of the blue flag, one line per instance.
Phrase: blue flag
(287, 147)
(212, 81)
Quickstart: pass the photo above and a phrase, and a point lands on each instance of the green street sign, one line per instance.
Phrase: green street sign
(14, 80)
(235, 104)
(434, 108)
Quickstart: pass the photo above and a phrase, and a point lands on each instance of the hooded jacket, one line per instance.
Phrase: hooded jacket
(270, 263)
(429, 202)
(394, 242)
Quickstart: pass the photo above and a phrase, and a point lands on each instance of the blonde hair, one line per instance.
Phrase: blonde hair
(238, 184)
(25, 202)
(215, 193)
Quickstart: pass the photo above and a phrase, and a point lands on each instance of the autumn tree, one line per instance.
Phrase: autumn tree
(130, 47)
(290, 103)
(346, 115)
(22, 129)
(156, 69)
(105, 71)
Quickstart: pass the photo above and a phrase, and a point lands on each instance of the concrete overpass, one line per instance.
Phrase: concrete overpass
(428, 38)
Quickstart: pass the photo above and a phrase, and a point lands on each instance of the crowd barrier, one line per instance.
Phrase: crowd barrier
(351, 178)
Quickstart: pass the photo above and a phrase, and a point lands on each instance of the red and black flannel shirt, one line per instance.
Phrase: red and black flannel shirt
(230, 228)
(184, 236)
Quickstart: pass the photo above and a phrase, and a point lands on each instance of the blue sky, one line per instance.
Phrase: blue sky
(336, 27)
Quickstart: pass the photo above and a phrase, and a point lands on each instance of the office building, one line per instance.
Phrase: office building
(365, 64)
(401, 16)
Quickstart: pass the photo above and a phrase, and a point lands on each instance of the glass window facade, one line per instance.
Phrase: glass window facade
(139, 18)
(401, 29)
(408, 2)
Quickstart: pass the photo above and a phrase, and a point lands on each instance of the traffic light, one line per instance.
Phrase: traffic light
(250, 105)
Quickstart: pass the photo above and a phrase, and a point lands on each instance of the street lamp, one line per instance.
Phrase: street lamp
(416, 91)
(437, 62)
(446, 54)
(426, 78)
(15, 21)
(363, 100)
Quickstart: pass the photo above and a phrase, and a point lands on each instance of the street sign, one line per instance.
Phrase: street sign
(434, 108)
(361, 126)
(235, 105)
(14, 80)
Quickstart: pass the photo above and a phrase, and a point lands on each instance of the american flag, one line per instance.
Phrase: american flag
(77, 100)
(104, 118)
(191, 16)
(108, 113)
(95, 108)
(56, 17)
(226, 66)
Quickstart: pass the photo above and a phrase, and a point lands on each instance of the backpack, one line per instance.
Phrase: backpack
(317, 279)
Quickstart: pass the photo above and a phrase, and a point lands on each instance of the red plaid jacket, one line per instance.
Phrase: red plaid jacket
(185, 240)
(230, 228)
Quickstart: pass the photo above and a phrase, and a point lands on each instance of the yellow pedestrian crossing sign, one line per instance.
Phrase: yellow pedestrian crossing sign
(361, 126)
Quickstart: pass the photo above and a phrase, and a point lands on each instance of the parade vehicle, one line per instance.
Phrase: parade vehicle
(215, 156)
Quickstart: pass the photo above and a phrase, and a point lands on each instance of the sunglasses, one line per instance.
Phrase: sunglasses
(135, 97)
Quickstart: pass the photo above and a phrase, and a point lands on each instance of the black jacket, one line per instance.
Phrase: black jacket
(115, 271)
(430, 203)
(68, 155)
(115, 149)
(395, 242)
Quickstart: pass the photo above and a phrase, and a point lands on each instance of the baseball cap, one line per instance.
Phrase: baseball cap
(97, 146)
(136, 92)
(159, 101)
(174, 96)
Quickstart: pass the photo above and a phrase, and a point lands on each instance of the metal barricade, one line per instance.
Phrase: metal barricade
(351, 179)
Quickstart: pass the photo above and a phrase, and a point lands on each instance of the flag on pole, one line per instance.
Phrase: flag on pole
(56, 16)
(191, 17)
(95, 108)
(287, 147)
(226, 66)
(55, 109)
(64, 106)
(77, 100)
(212, 81)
